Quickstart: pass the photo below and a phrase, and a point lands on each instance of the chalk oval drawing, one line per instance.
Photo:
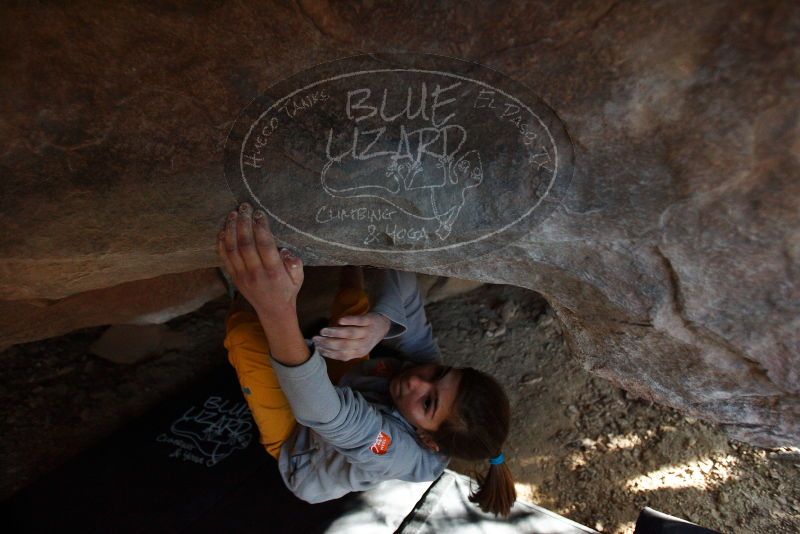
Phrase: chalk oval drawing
(400, 154)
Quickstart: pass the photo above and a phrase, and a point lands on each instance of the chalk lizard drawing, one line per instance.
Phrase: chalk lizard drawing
(440, 195)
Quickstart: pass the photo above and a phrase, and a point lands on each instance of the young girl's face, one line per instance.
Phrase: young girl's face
(425, 394)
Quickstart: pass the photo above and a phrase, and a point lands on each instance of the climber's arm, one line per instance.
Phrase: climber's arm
(268, 279)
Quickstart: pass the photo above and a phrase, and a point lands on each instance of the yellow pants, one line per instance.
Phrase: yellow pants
(248, 352)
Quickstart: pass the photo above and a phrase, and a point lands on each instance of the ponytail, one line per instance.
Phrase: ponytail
(476, 431)
(496, 493)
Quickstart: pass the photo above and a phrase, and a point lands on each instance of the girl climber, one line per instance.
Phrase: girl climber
(336, 420)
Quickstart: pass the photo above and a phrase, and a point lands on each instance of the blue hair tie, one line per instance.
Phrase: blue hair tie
(497, 460)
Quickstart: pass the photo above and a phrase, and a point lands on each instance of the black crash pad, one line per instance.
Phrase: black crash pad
(192, 464)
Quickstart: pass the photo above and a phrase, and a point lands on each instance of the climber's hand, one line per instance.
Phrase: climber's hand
(267, 278)
(355, 336)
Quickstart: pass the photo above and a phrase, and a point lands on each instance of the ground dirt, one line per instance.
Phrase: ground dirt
(578, 445)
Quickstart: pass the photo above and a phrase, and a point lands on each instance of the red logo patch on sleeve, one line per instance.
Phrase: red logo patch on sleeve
(381, 444)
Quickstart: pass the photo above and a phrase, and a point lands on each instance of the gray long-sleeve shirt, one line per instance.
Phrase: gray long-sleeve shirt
(396, 295)
(350, 437)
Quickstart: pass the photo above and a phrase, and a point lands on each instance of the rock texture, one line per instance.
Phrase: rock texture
(142, 302)
(672, 259)
(127, 344)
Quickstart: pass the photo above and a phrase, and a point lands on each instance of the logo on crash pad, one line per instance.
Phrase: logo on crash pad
(400, 154)
(209, 433)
